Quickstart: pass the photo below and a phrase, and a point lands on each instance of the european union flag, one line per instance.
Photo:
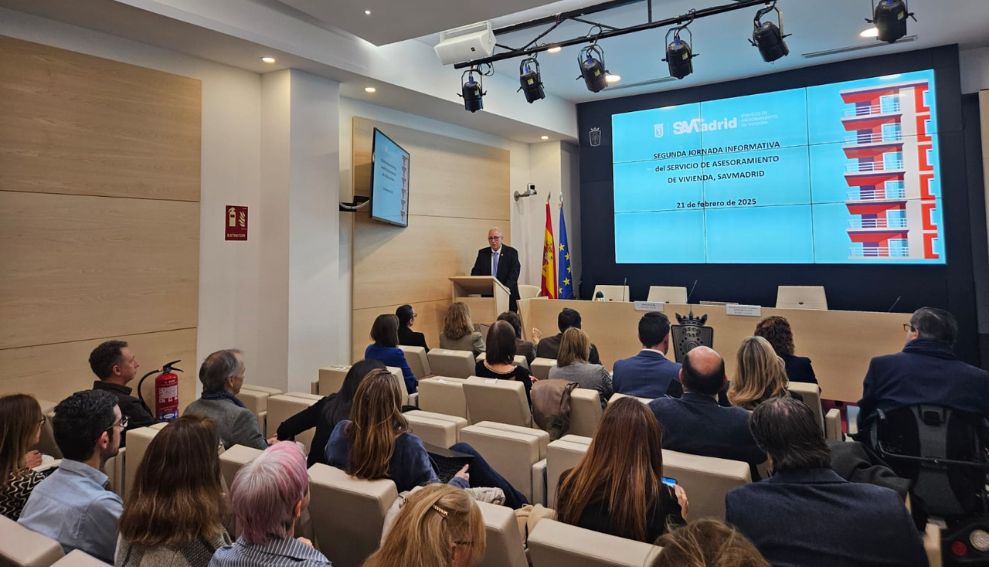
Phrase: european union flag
(565, 274)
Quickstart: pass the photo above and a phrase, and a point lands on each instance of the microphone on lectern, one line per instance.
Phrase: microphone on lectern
(691, 293)
(895, 303)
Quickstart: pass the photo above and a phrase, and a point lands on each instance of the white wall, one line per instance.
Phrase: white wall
(974, 65)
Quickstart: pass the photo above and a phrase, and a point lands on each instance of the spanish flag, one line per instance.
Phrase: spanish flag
(549, 259)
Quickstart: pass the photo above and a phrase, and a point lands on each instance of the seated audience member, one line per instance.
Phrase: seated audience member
(777, 331)
(617, 487)
(116, 366)
(268, 496)
(74, 506)
(222, 376)
(384, 349)
(549, 347)
(696, 424)
(708, 543)
(925, 372)
(406, 336)
(572, 365)
(806, 515)
(458, 330)
(376, 443)
(759, 374)
(438, 526)
(22, 419)
(325, 414)
(522, 346)
(175, 505)
(650, 374)
(499, 358)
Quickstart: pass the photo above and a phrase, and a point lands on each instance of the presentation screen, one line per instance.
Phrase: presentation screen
(389, 181)
(843, 173)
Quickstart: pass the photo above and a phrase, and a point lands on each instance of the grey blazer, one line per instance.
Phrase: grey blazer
(236, 425)
(587, 375)
(473, 342)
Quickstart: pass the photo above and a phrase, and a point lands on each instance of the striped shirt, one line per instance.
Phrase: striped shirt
(279, 552)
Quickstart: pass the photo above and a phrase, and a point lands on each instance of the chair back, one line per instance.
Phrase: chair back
(442, 394)
(528, 291)
(417, 360)
(283, 406)
(811, 395)
(47, 444)
(78, 558)
(562, 455)
(707, 480)
(138, 441)
(504, 542)
(667, 294)
(21, 546)
(435, 428)
(555, 544)
(331, 379)
(502, 401)
(519, 360)
(616, 396)
(540, 367)
(585, 412)
(612, 293)
(510, 450)
(233, 459)
(801, 297)
(256, 400)
(453, 363)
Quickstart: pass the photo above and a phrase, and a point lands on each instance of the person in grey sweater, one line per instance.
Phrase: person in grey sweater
(222, 375)
(572, 365)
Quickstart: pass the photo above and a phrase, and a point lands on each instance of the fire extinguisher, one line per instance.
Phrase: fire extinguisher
(166, 391)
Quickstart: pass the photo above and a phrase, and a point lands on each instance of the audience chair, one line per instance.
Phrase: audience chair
(832, 425)
(562, 455)
(442, 394)
(585, 412)
(399, 378)
(707, 481)
(502, 401)
(47, 444)
(137, 445)
(284, 406)
(113, 468)
(504, 541)
(518, 361)
(348, 514)
(811, 394)
(21, 546)
(512, 451)
(667, 294)
(435, 428)
(616, 396)
(256, 400)
(540, 367)
(77, 558)
(417, 359)
(331, 379)
(801, 297)
(453, 363)
(555, 544)
(932, 544)
(528, 291)
(612, 293)
(233, 459)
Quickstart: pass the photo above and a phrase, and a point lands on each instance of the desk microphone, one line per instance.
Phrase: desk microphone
(624, 287)
(599, 296)
(691, 293)
(895, 303)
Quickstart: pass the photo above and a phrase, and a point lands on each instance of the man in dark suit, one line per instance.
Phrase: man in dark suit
(925, 372)
(502, 262)
(549, 347)
(649, 374)
(406, 336)
(696, 424)
(808, 516)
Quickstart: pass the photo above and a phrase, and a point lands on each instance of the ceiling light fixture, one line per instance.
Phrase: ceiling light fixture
(543, 137)
(767, 36)
(367, 12)
(679, 54)
(531, 81)
(592, 69)
(890, 18)
(370, 90)
(268, 60)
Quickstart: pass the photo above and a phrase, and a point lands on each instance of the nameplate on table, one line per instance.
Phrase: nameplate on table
(743, 310)
(649, 306)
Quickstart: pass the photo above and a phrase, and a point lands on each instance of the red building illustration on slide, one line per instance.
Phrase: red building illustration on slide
(890, 172)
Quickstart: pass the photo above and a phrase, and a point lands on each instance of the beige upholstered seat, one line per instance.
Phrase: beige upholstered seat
(396, 374)
(21, 546)
(114, 470)
(233, 459)
(707, 480)
(284, 406)
(442, 394)
(667, 294)
(555, 544)
(504, 542)
(137, 444)
(585, 412)
(331, 379)
(811, 394)
(540, 367)
(256, 400)
(832, 425)
(932, 544)
(348, 514)
(616, 396)
(801, 297)
(417, 359)
(561, 455)
(519, 360)
(77, 558)
(435, 428)
(510, 450)
(454, 363)
(47, 444)
(528, 291)
(491, 399)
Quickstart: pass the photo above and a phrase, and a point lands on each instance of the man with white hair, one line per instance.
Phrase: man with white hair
(222, 375)
(500, 261)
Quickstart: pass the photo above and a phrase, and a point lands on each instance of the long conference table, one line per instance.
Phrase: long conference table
(839, 343)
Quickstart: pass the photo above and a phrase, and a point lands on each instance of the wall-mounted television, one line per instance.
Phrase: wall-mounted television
(389, 181)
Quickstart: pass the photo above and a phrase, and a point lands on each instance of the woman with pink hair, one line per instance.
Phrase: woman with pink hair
(268, 496)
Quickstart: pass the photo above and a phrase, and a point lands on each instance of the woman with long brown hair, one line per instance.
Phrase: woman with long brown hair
(708, 543)
(776, 330)
(175, 507)
(759, 374)
(22, 419)
(439, 526)
(618, 487)
(458, 330)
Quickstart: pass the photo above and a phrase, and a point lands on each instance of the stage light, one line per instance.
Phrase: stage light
(472, 91)
(679, 54)
(529, 78)
(890, 18)
(592, 69)
(767, 36)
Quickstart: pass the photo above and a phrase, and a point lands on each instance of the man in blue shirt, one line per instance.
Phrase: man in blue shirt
(75, 505)
(649, 374)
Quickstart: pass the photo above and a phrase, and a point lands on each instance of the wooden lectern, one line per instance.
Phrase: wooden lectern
(493, 300)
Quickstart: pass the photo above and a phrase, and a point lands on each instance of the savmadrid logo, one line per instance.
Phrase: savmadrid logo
(698, 125)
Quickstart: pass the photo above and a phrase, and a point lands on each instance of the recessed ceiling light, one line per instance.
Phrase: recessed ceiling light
(612, 78)
(543, 137)
(554, 49)
(370, 90)
(268, 60)
(870, 32)
(367, 12)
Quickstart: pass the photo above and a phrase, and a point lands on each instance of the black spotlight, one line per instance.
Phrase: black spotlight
(679, 55)
(890, 18)
(531, 81)
(767, 36)
(473, 91)
(591, 61)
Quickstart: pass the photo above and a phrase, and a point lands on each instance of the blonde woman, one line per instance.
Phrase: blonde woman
(760, 374)
(439, 526)
(572, 365)
(458, 330)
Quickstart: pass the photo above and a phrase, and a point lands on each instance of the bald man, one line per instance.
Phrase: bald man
(696, 424)
(502, 262)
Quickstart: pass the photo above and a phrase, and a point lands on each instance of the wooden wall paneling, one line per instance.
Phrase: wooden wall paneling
(76, 124)
(53, 372)
(77, 267)
(429, 323)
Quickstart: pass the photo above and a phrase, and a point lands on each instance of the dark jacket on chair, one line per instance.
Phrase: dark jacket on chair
(648, 374)
(549, 347)
(509, 269)
(408, 337)
(798, 369)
